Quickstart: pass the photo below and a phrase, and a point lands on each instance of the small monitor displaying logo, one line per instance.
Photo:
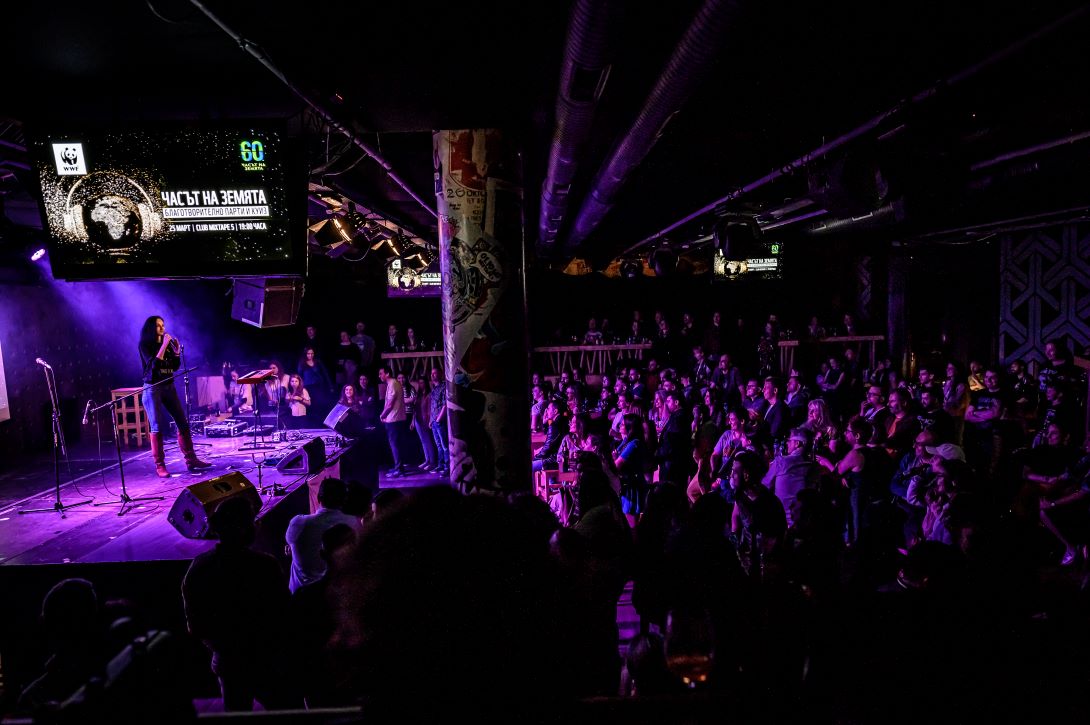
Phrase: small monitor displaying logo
(70, 159)
(253, 155)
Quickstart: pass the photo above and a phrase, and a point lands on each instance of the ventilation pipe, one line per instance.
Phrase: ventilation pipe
(582, 78)
(688, 66)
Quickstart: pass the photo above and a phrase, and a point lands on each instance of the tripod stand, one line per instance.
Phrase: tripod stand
(255, 378)
(275, 489)
(125, 499)
(58, 447)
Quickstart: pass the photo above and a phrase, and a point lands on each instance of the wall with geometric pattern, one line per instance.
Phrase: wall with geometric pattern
(1044, 291)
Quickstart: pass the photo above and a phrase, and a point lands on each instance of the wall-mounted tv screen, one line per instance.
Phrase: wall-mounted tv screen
(172, 200)
(402, 281)
(764, 262)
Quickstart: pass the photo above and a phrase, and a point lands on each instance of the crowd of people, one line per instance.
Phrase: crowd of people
(835, 539)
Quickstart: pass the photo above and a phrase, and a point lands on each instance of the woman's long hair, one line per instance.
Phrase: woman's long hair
(149, 340)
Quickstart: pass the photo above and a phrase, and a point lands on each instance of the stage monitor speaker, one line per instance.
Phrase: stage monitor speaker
(267, 302)
(192, 511)
(310, 458)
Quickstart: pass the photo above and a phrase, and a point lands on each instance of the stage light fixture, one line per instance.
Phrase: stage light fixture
(736, 236)
(417, 258)
(631, 269)
(38, 254)
(333, 232)
(663, 261)
(387, 249)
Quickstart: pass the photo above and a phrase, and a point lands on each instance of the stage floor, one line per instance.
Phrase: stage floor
(106, 531)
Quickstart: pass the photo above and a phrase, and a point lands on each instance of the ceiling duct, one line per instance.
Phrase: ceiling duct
(582, 79)
(686, 69)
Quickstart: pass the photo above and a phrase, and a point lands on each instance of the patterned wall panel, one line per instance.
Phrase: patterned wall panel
(1044, 291)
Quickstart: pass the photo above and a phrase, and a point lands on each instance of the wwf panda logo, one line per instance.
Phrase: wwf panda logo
(70, 156)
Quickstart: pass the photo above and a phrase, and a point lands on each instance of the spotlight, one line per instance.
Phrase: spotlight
(333, 232)
(387, 249)
(416, 258)
(631, 269)
(736, 236)
(663, 261)
(38, 254)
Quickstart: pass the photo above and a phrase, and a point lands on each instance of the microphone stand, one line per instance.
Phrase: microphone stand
(125, 499)
(185, 385)
(58, 450)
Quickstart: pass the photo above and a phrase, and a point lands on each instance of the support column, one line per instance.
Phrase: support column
(481, 243)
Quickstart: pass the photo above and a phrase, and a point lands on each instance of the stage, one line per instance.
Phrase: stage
(107, 531)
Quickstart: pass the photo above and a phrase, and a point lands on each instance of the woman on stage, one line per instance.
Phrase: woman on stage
(159, 359)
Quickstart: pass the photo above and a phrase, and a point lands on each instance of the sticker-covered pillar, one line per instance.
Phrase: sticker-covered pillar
(481, 241)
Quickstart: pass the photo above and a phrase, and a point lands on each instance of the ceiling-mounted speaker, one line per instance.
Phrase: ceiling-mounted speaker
(736, 236)
(663, 261)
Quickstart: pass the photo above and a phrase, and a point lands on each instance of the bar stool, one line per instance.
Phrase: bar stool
(131, 416)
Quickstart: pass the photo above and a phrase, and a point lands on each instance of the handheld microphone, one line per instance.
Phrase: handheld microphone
(87, 411)
(43, 363)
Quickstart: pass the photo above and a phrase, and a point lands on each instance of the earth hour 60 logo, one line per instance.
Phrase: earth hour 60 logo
(253, 155)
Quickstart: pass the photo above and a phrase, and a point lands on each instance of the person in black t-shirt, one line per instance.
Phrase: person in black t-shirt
(986, 408)
(159, 359)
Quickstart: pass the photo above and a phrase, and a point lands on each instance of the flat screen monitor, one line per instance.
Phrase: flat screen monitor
(764, 262)
(223, 199)
(403, 281)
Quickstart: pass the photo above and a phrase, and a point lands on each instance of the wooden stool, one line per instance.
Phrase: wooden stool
(131, 416)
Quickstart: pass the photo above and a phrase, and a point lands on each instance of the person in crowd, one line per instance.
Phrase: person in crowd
(755, 405)
(701, 370)
(556, 427)
(412, 342)
(1063, 509)
(777, 418)
(350, 399)
(1059, 409)
(863, 473)
(932, 417)
(674, 453)
(874, 409)
(733, 440)
(637, 390)
(438, 417)
(421, 422)
(849, 328)
(312, 340)
(700, 483)
(314, 624)
(664, 342)
(814, 329)
(717, 412)
(298, 400)
(366, 345)
(539, 400)
(270, 393)
(796, 399)
(160, 357)
(834, 386)
(911, 480)
(713, 336)
(795, 470)
(304, 534)
(901, 426)
(347, 360)
(393, 341)
(393, 419)
(688, 334)
(1024, 394)
(976, 376)
(409, 395)
(728, 379)
(955, 398)
(70, 617)
(1056, 368)
(987, 407)
(632, 459)
(826, 434)
(926, 378)
(316, 378)
(233, 577)
(239, 396)
(593, 336)
(366, 394)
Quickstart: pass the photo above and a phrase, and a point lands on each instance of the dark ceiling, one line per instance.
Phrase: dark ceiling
(774, 82)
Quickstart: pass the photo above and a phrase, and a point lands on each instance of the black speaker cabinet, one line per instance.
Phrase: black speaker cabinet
(271, 302)
(193, 508)
(310, 458)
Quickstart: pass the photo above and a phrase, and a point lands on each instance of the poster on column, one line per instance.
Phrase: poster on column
(5, 407)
